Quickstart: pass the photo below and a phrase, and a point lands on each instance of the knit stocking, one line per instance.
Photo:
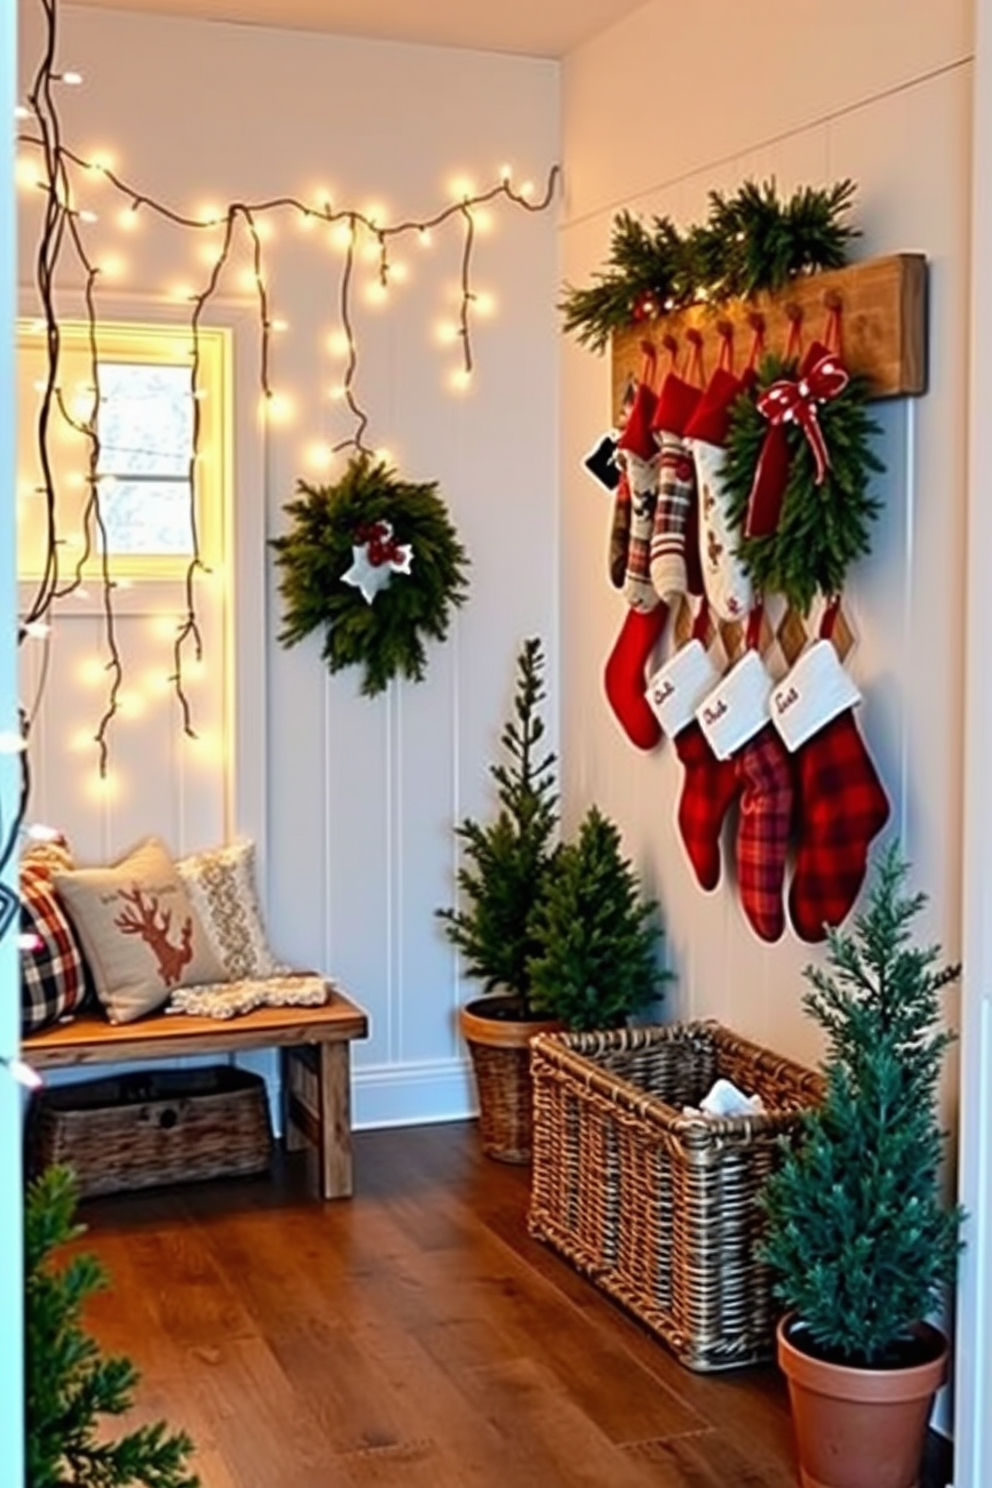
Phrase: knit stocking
(676, 487)
(624, 678)
(727, 585)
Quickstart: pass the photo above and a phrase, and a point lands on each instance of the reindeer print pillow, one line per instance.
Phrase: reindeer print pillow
(140, 934)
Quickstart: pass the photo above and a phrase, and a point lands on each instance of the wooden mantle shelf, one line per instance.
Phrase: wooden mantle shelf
(882, 306)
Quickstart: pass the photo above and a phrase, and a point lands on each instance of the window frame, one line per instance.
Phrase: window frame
(157, 344)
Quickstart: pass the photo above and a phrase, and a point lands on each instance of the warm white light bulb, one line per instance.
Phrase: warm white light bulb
(338, 344)
(12, 743)
(72, 78)
(461, 380)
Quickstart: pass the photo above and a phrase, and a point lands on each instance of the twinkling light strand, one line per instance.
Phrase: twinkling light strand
(63, 221)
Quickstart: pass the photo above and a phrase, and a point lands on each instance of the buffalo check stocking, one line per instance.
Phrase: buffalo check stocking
(709, 789)
(764, 777)
(841, 803)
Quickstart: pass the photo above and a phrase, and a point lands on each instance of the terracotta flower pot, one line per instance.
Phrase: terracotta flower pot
(861, 1428)
(499, 1044)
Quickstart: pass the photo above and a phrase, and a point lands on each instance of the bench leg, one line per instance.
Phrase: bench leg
(334, 1165)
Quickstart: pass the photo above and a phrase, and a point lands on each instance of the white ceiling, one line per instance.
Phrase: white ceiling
(538, 28)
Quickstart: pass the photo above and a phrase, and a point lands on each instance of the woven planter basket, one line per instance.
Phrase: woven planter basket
(656, 1207)
(138, 1130)
(500, 1052)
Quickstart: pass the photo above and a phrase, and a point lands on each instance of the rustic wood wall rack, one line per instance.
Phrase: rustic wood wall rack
(881, 306)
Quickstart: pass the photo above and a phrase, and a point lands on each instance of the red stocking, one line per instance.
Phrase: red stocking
(624, 677)
(709, 785)
(708, 792)
(842, 805)
(764, 772)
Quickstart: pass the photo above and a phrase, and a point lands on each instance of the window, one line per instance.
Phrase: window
(145, 427)
(145, 424)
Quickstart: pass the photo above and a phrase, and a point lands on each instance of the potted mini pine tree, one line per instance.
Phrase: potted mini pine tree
(597, 960)
(859, 1237)
(70, 1385)
(505, 864)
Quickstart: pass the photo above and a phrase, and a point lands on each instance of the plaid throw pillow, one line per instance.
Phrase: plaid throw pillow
(53, 981)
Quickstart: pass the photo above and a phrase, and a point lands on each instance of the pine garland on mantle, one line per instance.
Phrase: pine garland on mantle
(751, 241)
(375, 563)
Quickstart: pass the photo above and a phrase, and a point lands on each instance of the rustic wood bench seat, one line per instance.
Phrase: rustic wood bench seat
(315, 1044)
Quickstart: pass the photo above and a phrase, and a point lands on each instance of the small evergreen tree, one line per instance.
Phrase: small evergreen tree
(68, 1384)
(857, 1235)
(508, 859)
(596, 961)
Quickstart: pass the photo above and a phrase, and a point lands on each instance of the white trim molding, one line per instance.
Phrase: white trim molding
(412, 1094)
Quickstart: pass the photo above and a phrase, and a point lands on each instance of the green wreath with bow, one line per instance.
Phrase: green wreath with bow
(825, 507)
(375, 563)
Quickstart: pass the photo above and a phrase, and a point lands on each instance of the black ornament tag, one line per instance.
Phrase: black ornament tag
(601, 462)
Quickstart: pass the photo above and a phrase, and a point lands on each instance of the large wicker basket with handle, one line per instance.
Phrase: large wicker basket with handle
(657, 1207)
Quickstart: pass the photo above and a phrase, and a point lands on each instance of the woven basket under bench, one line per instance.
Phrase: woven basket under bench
(656, 1207)
(140, 1129)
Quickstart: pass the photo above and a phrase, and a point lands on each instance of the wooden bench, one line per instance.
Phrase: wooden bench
(315, 1044)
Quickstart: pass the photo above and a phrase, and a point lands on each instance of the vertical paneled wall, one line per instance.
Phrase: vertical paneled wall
(357, 797)
(659, 111)
(658, 139)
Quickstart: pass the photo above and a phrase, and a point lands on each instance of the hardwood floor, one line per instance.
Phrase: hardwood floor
(412, 1336)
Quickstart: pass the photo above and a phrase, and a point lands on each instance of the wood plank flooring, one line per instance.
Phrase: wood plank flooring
(411, 1337)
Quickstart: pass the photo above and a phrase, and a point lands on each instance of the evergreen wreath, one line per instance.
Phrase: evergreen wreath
(751, 241)
(821, 529)
(384, 634)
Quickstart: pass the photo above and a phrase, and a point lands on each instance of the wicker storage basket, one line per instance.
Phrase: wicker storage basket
(170, 1126)
(656, 1207)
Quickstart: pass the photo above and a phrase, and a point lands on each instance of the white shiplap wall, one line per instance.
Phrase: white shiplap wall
(804, 98)
(357, 798)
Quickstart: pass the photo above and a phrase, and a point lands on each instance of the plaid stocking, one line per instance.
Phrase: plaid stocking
(841, 802)
(764, 774)
(709, 789)
(676, 487)
(842, 807)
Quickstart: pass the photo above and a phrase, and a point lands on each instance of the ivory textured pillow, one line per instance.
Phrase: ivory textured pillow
(221, 883)
(140, 933)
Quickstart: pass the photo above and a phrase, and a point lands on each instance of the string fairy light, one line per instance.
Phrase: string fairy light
(62, 225)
